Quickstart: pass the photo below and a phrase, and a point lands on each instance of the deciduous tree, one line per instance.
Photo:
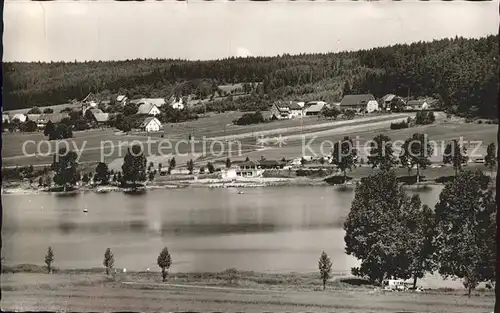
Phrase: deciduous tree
(381, 153)
(465, 226)
(49, 259)
(455, 154)
(416, 151)
(64, 166)
(325, 268)
(164, 261)
(109, 260)
(380, 228)
(134, 165)
(490, 160)
(102, 173)
(344, 155)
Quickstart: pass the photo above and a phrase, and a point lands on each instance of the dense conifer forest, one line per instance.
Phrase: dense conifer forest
(462, 73)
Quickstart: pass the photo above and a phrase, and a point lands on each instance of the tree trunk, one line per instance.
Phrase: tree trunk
(163, 275)
(324, 284)
(418, 174)
(414, 282)
(345, 177)
(107, 271)
(470, 290)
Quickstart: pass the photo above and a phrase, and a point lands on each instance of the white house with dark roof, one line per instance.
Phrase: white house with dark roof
(359, 103)
(280, 111)
(151, 124)
(314, 107)
(296, 110)
(148, 109)
(101, 118)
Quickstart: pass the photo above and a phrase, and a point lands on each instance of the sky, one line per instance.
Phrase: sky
(104, 30)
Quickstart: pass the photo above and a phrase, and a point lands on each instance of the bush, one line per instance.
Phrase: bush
(249, 118)
(409, 180)
(425, 118)
(337, 180)
(444, 179)
(399, 125)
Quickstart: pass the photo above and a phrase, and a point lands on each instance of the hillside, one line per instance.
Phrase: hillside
(463, 73)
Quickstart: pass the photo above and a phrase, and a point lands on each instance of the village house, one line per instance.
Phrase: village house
(101, 119)
(389, 101)
(313, 107)
(20, 117)
(177, 104)
(422, 104)
(280, 111)
(121, 99)
(158, 102)
(359, 103)
(295, 109)
(248, 169)
(271, 164)
(150, 124)
(53, 117)
(5, 118)
(148, 109)
(32, 117)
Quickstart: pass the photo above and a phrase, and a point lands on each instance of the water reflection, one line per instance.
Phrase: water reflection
(276, 229)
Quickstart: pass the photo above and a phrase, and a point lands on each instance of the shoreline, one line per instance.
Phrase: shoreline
(207, 183)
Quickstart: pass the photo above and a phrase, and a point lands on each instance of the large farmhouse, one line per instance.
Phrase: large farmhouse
(359, 103)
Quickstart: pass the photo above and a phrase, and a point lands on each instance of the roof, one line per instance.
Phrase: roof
(315, 106)
(19, 116)
(352, 100)
(148, 120)
(90, 97)
(248, 163)
(33, 117)
(271, 162)
(156, 101)
(145, 108)
(282, 106)
(388, 97)
(95, 111)
(101, 117)
(294, 105)
(53, 117)
(416, 102)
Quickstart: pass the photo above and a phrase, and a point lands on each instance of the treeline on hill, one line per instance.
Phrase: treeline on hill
(462, 73)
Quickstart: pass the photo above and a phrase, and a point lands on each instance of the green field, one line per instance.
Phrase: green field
(297, 139)
(222, 292)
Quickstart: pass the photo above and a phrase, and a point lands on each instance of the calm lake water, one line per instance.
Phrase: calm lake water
(279, 229)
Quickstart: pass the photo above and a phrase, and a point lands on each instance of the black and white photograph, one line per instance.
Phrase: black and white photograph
(237, 156)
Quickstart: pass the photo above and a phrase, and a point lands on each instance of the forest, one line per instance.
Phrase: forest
(462, 73)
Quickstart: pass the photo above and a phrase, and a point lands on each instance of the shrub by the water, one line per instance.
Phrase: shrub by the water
(399, 125)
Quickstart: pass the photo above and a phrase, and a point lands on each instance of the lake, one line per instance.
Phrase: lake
(271, 229)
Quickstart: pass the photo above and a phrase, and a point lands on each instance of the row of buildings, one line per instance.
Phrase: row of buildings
(362, 103)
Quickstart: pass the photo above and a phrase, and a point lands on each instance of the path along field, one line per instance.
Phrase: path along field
(95, 292)
(297, 140)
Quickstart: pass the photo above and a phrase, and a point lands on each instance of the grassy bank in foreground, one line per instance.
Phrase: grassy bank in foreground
(228, 278)
(229, 291)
